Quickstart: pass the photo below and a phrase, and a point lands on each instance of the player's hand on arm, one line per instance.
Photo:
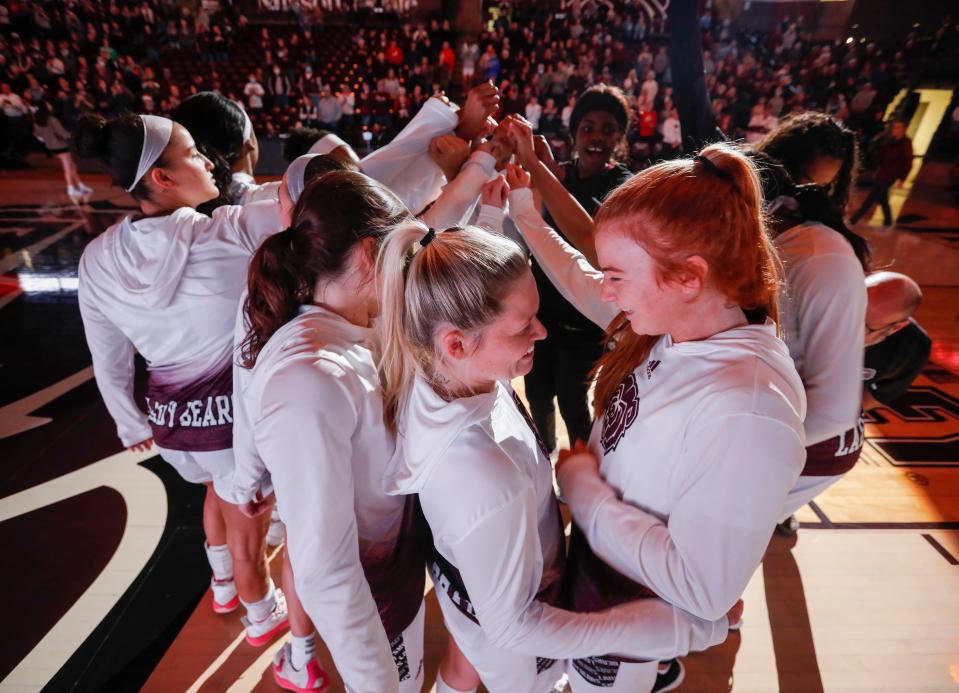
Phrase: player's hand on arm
(257, 505)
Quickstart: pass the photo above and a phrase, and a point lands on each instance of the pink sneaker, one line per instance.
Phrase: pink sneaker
(262, 632)
(225, 598)
(312, 678)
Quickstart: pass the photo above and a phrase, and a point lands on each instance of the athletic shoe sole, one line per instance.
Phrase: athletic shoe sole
(227, 608)
(259, 640)
(290, 686)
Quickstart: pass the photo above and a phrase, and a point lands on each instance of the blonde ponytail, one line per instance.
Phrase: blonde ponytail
(397, 355)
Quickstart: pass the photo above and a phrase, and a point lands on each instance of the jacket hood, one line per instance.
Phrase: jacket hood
(427, 427)
(312, 330)
(756, 341)
(150, 255)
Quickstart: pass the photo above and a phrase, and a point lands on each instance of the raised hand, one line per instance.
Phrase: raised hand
(481, 103)
(449, 152)
(545, 154)
(521, 135)
(495, 192)
(517, 177)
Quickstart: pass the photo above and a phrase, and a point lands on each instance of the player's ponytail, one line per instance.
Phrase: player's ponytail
(334, 214)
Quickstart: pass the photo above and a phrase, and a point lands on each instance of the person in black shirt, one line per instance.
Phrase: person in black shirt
(571, 194)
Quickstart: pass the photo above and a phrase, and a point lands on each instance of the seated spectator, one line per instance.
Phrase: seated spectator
(897, 348)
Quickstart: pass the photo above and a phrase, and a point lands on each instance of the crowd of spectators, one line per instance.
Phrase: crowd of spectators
(542, 60)
(106, 57)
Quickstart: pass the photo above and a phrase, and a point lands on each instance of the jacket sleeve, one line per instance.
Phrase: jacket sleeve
(829, 293)
(404, 165)
(501, 567)
(249, 472)
(578, 281)
(112, 353)
(736, 473)
(251, 223)
(455, 204)
(697, 123)
(307, 417)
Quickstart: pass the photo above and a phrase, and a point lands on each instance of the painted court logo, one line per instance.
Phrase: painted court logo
(620, 414)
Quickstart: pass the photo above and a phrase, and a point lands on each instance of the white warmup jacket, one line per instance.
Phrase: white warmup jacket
(166, 287)
(457, 203)
(245, 190)
(823, 309)
(486, 490)
(698, 450)
(312, 419)
(404, 165)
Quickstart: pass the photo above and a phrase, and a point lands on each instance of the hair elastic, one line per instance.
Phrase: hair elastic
(156, 136)
(428, 238)
(716, 170)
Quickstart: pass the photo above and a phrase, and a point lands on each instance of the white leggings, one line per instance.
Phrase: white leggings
(408, 654)
(805, 490)
(607, 675)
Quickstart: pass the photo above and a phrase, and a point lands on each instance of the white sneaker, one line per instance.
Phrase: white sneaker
(225, 597)
(75, 195)
(277, 531)
(312, 678)
(262, 632)
(86, 191)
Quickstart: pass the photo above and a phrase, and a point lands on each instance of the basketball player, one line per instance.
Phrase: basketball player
(311, 418)
(165, 284)
(699, 435)
(458, 322)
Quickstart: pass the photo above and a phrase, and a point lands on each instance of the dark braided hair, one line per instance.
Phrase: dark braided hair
(811, 203)
(801, 138)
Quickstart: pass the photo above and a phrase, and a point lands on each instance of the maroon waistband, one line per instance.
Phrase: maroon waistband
(592, 585)
(196, 416)
(837, 455)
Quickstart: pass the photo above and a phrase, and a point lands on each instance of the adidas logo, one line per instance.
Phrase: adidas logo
(650, 367)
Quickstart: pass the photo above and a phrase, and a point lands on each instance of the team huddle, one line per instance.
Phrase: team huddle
(341, 344)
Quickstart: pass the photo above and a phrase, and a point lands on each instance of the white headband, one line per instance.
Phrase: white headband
(296, 175)
(327, 144)
(247, 123)
(156, 136)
